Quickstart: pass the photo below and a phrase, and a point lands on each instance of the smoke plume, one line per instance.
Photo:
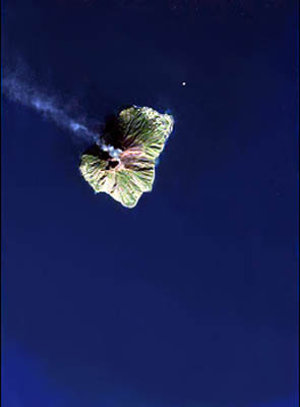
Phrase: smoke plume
(29, 95)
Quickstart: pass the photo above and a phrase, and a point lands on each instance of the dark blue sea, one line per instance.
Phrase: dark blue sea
(190, 299)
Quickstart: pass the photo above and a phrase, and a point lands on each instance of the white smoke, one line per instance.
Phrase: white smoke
(27, 95)
(111, 150)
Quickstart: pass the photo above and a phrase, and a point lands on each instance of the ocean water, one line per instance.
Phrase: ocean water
(189, 299)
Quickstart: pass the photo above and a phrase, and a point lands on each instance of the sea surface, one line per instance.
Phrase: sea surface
(189, 299)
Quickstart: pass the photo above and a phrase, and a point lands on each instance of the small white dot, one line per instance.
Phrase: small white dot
(183, 83)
